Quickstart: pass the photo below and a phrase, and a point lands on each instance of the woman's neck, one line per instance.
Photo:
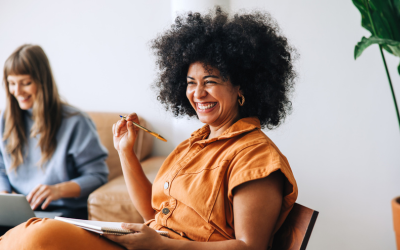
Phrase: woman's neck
(216, 131)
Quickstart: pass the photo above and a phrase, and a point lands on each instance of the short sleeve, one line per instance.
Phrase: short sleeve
(258, 161)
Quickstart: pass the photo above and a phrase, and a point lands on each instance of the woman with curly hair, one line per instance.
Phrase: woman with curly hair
(228, 186)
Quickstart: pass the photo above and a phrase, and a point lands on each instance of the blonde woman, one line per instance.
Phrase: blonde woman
(49, 151)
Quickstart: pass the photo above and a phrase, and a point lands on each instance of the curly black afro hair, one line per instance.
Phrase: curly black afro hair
(247, 49)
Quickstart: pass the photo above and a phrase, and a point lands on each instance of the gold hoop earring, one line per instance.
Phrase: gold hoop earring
(241, 103)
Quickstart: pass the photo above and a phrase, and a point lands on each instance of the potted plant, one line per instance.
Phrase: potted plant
(382, 19)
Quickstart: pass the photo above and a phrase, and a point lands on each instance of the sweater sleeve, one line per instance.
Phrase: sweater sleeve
(4, 182)
(88, 156)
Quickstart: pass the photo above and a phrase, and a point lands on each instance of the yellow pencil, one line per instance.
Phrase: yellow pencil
(145, 129)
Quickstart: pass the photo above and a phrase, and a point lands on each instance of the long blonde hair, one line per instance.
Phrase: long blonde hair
(47, 109)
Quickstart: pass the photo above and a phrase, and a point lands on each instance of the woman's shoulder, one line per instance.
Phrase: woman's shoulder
(255, 139)
(256, 152)
(74, 116)
(262, 139)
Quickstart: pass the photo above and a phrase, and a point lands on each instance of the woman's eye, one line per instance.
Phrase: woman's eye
(190, 83)
(27, 83)
(210, 82)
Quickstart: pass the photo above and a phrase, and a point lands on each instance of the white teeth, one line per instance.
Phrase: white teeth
(23, 98)
(207, 106)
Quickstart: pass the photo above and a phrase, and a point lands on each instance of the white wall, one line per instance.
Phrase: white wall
(342, 140)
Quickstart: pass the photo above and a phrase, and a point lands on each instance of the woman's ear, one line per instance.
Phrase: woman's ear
(240, 91)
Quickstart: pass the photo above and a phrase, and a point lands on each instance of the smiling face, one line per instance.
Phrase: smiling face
(214, 99)
(24, 89)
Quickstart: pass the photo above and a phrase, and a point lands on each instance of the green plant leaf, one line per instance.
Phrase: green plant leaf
(396, 4)
(360, 5)
(386, 17)
(366, 42)
(395, 49)
(398, 68)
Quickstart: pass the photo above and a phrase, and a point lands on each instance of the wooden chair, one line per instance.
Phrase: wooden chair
(296, 230)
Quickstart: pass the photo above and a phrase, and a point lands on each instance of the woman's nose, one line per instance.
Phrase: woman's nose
(200, 92)
(17, 89)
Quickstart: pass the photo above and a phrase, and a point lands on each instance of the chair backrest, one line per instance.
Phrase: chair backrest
(296, 230)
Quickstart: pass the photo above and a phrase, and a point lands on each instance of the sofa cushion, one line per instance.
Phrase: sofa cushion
(104, 122)
(111, 202)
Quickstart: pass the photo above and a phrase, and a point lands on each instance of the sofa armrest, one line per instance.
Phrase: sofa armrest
(111, 202)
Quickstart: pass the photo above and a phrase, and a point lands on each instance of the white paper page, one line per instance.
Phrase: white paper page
(96, 226)
(91, 224)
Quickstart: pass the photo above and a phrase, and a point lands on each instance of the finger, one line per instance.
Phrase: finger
(38, 201)
(38, 192)
(41, 198)
(111, 237)
(131, 130)
(46, 203)
(132, 117)
(32, 193)
(135, 227)
(114, 129)
(120, 239)
(120, 125)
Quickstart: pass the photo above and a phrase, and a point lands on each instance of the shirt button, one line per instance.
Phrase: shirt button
(166, 185)
(165, 211)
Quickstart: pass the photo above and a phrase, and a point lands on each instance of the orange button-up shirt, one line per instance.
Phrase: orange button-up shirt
(192, 193)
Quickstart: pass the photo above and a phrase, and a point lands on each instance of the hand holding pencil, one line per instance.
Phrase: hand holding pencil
(146, 130)
(125, 132)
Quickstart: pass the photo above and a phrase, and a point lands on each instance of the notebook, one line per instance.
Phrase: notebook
(102, 227)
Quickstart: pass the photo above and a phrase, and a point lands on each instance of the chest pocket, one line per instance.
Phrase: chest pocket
(199, 189)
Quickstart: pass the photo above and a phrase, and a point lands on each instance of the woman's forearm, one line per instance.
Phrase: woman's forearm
(139, 187)
(68, 189)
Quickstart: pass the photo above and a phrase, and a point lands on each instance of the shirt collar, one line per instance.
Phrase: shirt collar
(242, 126)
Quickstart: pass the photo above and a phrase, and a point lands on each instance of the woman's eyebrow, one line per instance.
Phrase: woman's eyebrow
(213, 76)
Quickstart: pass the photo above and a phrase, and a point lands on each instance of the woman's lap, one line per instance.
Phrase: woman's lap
(53, 234)
(76, 213)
